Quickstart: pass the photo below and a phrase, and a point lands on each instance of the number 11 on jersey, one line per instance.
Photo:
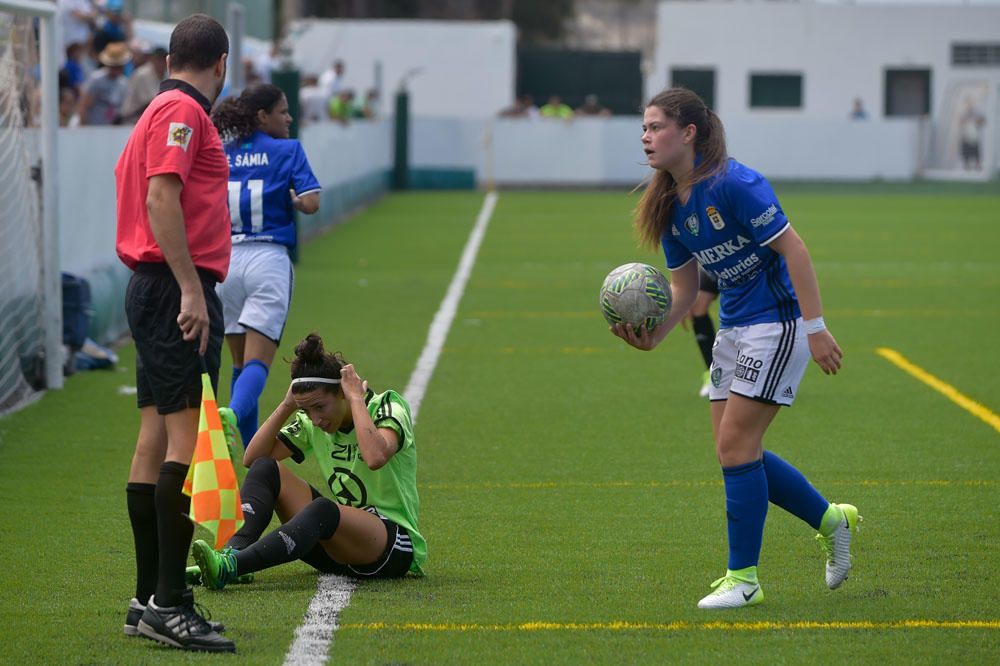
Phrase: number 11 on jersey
(256, 189)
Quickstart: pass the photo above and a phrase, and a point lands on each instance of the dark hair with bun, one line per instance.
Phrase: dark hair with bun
(312, 360)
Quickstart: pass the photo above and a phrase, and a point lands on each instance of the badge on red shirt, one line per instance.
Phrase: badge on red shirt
(179, 134)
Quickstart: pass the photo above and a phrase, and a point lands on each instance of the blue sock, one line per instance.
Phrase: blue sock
(232, 381)
(246, 392)
(789, 489)
(746, 509)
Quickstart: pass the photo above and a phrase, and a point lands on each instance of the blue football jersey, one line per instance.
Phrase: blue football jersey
(726, 226)
(261, 171)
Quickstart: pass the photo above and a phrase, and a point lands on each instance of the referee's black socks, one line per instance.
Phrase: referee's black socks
(175, 530)
(142, 516)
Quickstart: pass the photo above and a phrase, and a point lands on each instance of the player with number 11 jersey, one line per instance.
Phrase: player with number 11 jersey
(269, 179)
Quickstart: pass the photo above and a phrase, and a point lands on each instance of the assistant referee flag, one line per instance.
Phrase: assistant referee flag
(211, 480)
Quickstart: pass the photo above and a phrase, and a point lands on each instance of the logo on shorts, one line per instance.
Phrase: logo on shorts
(179, 134)
(747, 368)
(715, 218)
(717, 377)
(787, 393)
(691, 224)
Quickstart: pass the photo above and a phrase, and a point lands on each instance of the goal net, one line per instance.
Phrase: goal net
(24, 301)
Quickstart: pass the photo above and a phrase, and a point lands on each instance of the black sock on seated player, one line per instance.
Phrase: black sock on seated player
(318, 521)
(259, 494)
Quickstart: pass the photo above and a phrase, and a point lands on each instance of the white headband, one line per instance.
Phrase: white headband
(314, 380)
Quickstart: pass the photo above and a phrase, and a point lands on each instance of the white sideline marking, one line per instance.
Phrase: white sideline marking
(438, 331)
(313, 637)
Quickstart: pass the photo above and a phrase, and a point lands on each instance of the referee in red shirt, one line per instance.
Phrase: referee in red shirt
(174, 233)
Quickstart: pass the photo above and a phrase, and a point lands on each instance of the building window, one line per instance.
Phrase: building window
(775, 91)
(907, 92)
(697, 80)
(976, 55)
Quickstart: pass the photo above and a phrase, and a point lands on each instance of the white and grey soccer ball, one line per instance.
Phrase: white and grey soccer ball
(636, 294)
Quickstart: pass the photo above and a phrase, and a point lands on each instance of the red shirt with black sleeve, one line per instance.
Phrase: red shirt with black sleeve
(175, 135)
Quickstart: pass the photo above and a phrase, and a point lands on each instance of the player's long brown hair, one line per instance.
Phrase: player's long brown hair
(236, 117)
(312, 360)
(685, 107)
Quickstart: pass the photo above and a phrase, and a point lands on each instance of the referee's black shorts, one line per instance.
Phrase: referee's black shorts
(167, 367)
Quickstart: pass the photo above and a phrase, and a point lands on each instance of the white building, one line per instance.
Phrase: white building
(791, 72)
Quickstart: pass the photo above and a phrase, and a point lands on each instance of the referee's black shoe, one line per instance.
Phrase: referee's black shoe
(182, 626)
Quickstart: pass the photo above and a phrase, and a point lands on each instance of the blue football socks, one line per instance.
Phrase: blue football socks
(246, 392)
(746, 510)
(789, 489)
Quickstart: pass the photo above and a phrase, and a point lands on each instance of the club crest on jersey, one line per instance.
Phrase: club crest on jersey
(691, 224)
(715, 218)
(179, 134)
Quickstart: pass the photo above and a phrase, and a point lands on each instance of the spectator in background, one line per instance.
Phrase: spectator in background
(341, 106)
(523, 107)
(592, 107)
(73, 68)
(332, 80)
(312, 101)
(556, 109)
(112, 26)
(970, 136)
(76, 18)
(104, 90)
(369, 109)
(144, 84)
(68, 98)
(858, 110)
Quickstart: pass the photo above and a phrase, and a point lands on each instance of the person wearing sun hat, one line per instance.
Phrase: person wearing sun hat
(104, 90)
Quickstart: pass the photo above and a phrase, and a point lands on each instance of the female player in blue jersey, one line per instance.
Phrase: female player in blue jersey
(703, 207)
(269, 179)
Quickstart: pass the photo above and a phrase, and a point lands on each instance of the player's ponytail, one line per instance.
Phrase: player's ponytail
(312, 360)
(236, 117)
(652, 214)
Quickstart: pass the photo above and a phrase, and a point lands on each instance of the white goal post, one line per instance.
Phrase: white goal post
(16, 138)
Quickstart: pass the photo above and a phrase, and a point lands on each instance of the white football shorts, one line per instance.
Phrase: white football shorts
(258, 289)
(763, 362)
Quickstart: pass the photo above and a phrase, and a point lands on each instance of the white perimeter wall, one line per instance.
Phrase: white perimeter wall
(468, 68)
(841, 50)
(601, 152)
(87, 157)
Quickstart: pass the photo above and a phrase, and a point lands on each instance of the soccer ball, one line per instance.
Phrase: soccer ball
(636, 294)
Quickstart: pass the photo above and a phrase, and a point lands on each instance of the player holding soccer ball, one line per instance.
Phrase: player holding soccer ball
(703, 206)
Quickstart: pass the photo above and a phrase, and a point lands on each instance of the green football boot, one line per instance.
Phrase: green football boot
(837, 546)
(218, 567)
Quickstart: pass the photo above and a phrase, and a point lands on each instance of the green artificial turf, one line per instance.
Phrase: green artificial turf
(570, 494)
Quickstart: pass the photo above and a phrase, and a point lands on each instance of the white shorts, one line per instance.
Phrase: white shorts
(763, 362)
(258, 290)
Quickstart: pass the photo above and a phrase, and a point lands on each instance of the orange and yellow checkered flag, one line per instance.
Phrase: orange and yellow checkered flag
(211, 479)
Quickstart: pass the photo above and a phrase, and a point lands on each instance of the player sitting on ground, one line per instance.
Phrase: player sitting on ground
(363, 442)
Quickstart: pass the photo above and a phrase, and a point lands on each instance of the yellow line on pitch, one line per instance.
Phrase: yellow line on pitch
(675, 626)
(557, 485)
(947, 390)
